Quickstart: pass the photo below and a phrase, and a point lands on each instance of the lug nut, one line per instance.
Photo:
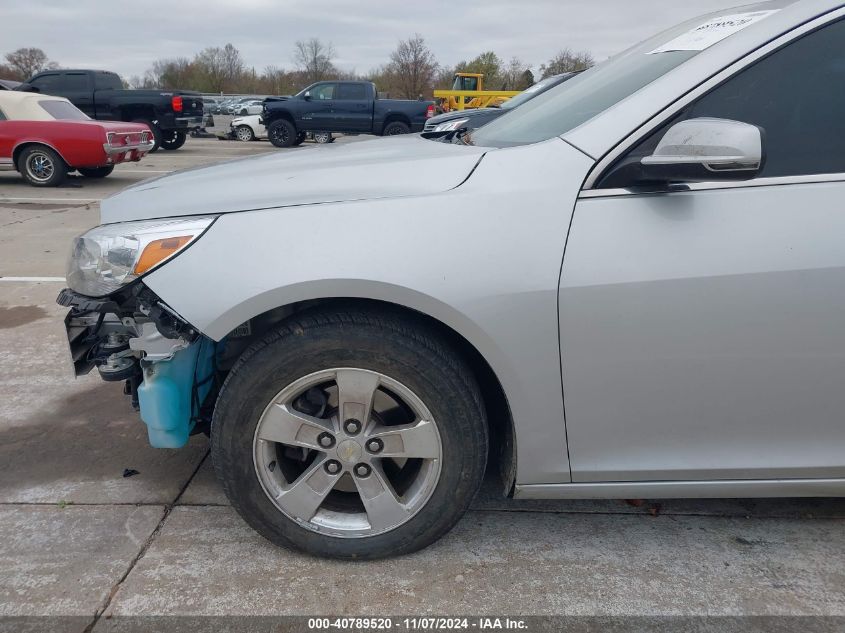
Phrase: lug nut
(375, 445)
(326, 440)
(352, 426)
(332, 467)
(362, 470)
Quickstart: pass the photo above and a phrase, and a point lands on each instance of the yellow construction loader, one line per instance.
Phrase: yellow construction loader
(468, 92)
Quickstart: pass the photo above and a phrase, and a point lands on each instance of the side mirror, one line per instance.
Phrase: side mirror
(307, 95)
(706, 149)
(24, 87)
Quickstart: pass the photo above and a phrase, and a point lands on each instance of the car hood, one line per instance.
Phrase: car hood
(461, 114)
(382, 168)
(246, 118)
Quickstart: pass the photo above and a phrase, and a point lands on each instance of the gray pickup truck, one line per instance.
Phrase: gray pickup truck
(341, 106)
(170, 114)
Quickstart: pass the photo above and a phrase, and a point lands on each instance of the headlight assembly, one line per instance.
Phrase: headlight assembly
(449, 126)
(112, 255)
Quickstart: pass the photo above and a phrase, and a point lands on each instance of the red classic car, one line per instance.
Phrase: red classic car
(46, 137)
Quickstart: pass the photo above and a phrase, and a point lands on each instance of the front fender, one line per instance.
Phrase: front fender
(483, 258)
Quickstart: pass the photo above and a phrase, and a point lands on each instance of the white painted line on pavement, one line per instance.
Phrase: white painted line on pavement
(50, 200)
(222, 156)
(145, 171)
(52, 279)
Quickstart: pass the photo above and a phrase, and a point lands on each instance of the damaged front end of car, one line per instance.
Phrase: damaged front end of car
(168, 369)
(117, 325)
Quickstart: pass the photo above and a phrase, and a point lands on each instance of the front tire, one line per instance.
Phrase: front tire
(41, 166)
(173, 139)
(282, 133)
(96, 172)
(244, 133)
(350, 434)
(396, 127)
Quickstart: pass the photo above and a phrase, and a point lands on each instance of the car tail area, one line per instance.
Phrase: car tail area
(186, 104)
(126, 141)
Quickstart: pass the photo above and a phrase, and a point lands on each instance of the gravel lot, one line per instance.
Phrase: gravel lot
(77, 538)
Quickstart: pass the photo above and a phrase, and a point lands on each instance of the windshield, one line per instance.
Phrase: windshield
(465, 83)
(529, 93)
(565, 107)
(62, 110)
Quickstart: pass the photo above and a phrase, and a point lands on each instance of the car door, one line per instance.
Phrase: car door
(104, 83)
(702, 330)
(317, 113)
(353, 107)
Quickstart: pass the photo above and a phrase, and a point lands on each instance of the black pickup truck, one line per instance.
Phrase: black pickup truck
(341, 106)
(99, 94)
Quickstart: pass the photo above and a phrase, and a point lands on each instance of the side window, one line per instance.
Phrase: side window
(323, 92)
(796, 95)
(46, 83)
(107, 81)
(352, 92)
(76, 82)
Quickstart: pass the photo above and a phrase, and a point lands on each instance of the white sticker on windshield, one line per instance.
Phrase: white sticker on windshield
(712, 31)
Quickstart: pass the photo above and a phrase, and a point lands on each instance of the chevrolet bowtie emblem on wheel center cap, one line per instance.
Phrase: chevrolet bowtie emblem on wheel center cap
(349, 451)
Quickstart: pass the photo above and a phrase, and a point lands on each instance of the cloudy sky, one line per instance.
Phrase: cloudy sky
(127, 36)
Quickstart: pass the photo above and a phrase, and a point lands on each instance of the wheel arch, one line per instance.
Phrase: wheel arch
(277, 115)
(499, 416)
(21, 146)
(395, 117)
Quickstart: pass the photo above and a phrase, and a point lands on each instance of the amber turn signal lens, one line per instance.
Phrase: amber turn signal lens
(159, 250)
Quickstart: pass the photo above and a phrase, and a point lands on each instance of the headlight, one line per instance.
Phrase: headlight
(110, 256)
(449, 126)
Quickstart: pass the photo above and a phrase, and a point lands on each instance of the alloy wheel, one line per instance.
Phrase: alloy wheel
(347, 452)
(280, 134)
(40, 167)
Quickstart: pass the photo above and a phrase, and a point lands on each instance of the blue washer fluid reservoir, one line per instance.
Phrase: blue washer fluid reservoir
(166, 393)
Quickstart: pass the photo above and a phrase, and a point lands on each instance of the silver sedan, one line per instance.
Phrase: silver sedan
(631, 286)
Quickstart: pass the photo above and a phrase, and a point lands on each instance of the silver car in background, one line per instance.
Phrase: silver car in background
(632, 286)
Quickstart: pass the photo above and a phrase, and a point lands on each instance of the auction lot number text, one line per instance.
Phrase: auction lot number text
(416, 624)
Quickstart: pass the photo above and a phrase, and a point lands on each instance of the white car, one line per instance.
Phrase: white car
(249, 107)
(248, 128)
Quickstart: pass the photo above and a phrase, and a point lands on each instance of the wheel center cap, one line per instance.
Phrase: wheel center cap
(349, 451)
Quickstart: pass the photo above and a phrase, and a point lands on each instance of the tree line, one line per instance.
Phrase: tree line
(411, 71)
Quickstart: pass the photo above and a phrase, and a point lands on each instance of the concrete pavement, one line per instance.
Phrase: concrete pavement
(78, 538)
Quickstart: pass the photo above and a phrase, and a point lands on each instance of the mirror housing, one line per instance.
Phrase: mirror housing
(307, 95)
(706, 149)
